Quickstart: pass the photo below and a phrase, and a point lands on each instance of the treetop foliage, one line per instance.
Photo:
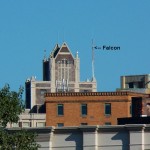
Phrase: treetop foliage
(11, 105)
(19, 140)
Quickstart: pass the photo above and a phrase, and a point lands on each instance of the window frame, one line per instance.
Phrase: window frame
(40, 124)
(60, 111)
(106, 109)
(26, 124)
(107, 123)
(84, 124)
(60, 124)
(84, 111)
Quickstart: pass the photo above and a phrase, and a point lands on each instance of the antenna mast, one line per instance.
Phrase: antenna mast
(93, 76)
(44, 54)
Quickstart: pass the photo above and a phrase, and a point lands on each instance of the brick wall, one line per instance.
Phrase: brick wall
(120, 107)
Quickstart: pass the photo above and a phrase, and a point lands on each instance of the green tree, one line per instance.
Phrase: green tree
(18, 140)
(11, 106)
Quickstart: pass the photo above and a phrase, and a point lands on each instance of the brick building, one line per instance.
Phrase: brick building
(91, 108)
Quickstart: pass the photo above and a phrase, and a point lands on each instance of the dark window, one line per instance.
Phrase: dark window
(20, 124)
(84, 124)
(43, 91)
(107, 109)
(86, 91)
(131, 85)
(141, 85)
(107, 123)
(60, 109)
(83, 109)
(136, 106)
(60, 124)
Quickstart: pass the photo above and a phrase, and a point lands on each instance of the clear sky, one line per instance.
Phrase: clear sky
(27, 27)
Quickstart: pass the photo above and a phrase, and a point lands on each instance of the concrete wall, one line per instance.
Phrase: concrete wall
(124, 137)
(135, 79)
(27, 119)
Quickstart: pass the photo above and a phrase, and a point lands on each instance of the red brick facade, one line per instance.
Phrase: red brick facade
(96, 102)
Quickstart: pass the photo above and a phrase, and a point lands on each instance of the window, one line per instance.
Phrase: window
(20, 124)
(60, 124)
(40, 124)
(26, 124)
(83, 109)
(85, 90)
(15, 124)
(131, 85)
(141, 84)
(107, 123)
(84, 124)
(43, 91)
(107, 109)
(60, 109)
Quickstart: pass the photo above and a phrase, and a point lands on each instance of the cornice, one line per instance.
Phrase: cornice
(68, 94)
(85, 101)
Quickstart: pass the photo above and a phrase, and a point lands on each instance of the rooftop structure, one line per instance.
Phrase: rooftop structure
(137, 83)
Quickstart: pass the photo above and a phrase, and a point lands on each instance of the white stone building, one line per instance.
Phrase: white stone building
(120, 137)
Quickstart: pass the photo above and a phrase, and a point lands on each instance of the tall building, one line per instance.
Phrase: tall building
(61, 73)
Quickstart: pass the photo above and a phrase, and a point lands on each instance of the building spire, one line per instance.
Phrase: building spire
(44, 54)
(93, 73)
(77, 56)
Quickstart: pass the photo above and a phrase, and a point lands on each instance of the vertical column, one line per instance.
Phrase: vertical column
(44, 138)
(94, 86)
(53, 88)
(33, 93)
(147, 80)
(68, 69)
(77, 72)
(61, 70)
(90, 138)
(123, 85)
(136, 136)
(51, 139)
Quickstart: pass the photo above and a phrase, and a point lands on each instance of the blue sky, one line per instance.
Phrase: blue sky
(27, 27)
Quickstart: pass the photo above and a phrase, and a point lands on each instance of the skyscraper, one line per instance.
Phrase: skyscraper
(61, 73)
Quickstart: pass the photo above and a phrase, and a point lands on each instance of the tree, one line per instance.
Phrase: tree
(19, 140)
(11, 106)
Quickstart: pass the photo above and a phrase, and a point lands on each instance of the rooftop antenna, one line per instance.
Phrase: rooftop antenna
(63, 35)
(58, 37)
(93, 76)
(44, 54)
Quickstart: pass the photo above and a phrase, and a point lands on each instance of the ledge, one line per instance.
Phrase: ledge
(88, 94)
